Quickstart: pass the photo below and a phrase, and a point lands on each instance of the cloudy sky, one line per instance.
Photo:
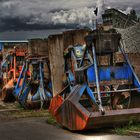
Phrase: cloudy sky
(24, 14)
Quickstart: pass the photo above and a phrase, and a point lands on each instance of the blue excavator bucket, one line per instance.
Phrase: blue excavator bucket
(98, 96)
(32, 93)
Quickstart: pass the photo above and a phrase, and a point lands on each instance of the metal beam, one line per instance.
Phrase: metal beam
(14, 41)
(118, 91)
(97, 80)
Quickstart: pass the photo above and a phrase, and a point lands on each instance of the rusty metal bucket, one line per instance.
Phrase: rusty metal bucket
(6, 94)
(7, 90)
(70, 113)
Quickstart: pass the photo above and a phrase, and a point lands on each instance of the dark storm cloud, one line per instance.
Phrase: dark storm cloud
(29, 13)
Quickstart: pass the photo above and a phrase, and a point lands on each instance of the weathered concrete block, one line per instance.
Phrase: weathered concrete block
(38, 47)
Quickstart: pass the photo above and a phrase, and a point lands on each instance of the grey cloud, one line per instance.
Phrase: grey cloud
(38, 11)
(56, 11)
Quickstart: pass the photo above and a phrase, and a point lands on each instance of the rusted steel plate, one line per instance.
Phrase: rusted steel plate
(67, 113)
(133, 57)
(112, 118)
(104, 60)
(112, 82)
(56, 102)
(69, 116)
(73, 37)
(38, 47)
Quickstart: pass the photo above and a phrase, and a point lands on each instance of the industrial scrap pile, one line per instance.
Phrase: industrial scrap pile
(131, 37)
(93, 83)
(25, 75)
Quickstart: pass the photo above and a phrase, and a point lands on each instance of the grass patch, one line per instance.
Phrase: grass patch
(14, 105)
(35, 113)
(126, 130)
(51, 120)
(22, 113)
(29, 113)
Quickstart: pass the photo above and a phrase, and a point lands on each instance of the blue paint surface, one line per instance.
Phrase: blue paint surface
(110, 73)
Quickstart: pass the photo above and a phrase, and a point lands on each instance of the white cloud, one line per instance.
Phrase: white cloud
(81, 16)
(128, 10)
